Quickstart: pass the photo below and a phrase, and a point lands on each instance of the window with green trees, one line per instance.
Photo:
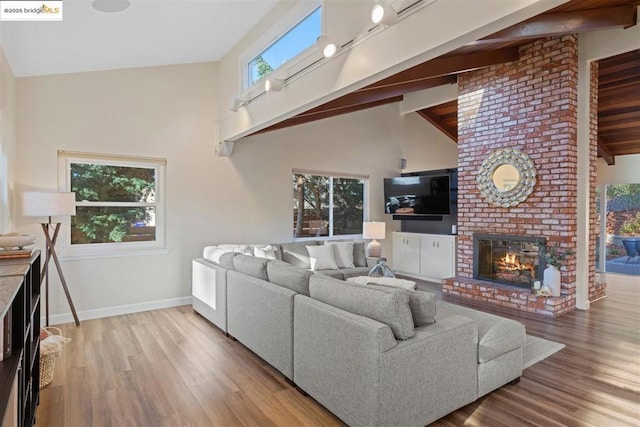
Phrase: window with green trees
(117, 202)
(327, 205)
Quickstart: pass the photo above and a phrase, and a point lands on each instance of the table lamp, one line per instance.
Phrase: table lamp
(373, 230)
(41, 204)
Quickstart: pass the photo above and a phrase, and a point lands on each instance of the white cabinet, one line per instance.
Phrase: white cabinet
(406, 253)
(427, 256)
(438, 257)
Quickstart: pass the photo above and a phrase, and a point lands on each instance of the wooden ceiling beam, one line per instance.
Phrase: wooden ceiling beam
(604, 152)
(560, 23)
(446, 65)
(439, 124)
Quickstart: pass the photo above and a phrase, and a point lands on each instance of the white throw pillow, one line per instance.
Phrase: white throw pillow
(264, 252)
(343, 252)
(322, 258)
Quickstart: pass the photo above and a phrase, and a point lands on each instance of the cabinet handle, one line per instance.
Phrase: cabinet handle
(438, 245)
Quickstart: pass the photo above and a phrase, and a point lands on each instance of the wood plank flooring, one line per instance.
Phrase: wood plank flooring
(172, 368)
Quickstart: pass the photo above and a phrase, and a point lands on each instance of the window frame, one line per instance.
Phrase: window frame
(365, 202)
(302, 60)
(113, 249)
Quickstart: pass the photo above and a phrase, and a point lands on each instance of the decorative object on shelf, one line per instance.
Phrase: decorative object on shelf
(554, 255)
(40, 204)
(373, 230)
(507, 177)
(16, 241)
(381, 269)
(544, 291)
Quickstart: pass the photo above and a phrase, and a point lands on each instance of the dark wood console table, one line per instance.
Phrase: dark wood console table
(20, 326)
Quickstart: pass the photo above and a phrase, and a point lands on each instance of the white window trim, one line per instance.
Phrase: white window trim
(100, 250)
(282, 27)
(365, 203)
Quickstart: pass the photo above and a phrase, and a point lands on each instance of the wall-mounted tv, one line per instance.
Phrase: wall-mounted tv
(417, 195)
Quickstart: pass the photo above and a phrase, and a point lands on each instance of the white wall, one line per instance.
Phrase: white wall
(8, 145)
(169, 112)
(625, 171)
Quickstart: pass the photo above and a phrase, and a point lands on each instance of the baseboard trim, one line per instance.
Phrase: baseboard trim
(57, 319)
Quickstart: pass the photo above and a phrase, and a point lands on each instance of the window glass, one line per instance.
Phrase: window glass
(327, 205)
(294, 42)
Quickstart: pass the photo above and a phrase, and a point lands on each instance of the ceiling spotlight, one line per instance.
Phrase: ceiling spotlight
(327, 47)
(236, 102)
(382, 13)
(110, 6)
(273, 85)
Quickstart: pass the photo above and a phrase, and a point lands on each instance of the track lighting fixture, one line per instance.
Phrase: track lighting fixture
(382, 13)
(235, 103)
(273, 85)
(326, 46)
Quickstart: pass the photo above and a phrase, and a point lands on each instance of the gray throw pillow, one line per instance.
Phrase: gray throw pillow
(247, 264)
(226, 259)
(294, 278)
(359, 254)
(386, 305)
(421, 303)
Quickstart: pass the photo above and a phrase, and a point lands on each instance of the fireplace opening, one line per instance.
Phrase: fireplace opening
(512, 260)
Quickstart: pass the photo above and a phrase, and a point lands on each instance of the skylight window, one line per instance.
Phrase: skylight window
(286, 47)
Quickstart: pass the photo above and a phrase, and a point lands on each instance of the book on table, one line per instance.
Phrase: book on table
(17, 253)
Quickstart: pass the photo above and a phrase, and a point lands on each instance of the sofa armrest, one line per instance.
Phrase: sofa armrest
(209, 291)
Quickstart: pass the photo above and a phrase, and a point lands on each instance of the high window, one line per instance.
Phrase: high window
(295, 34)
(119, 203)
(325, 205)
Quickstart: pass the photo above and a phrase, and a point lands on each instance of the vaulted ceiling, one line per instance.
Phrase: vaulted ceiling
(619, 111)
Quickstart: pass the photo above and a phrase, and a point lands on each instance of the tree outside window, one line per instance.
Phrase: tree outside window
(327, 205)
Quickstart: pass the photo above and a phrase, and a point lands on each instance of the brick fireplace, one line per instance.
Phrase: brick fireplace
(530, 105)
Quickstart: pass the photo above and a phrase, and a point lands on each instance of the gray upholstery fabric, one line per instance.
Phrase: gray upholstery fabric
(226, 260)
(359, 254)
(294, 278)
(421, 303)
(295, 253)
(209, 291)
(354, 272)
(336, 274)
(497, 335)
(390, 307)
(260, 316)
(352, 365)
(253, 266)
(499, 371)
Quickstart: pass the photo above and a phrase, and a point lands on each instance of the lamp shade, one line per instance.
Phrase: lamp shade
(48, 204)
(373, 230)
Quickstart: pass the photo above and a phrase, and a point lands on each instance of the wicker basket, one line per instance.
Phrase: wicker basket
(48, 356)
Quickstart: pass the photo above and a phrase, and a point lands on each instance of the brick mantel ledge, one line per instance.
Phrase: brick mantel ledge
(507, 296)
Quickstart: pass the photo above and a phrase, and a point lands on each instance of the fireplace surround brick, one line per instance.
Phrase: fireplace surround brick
(531, 105)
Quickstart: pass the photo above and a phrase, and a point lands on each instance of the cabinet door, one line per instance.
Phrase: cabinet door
(406, 253)
(438, 257)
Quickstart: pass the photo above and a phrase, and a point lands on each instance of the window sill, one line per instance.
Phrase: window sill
(119, 254)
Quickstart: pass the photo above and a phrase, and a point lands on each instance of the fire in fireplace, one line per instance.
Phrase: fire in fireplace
(512, 260)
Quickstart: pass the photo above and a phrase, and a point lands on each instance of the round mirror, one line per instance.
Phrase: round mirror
(505, 177)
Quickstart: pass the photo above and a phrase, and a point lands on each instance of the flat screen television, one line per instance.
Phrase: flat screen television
(417, 195)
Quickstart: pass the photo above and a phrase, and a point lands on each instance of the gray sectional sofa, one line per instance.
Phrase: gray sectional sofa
(373, 355)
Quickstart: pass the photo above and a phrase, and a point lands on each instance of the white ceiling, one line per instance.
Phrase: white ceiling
(148, 33)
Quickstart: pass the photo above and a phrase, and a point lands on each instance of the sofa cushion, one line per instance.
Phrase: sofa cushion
(496, 335)
(256, 267)
(359, 254)
(226, 259)
(336, 274)
(322, 258)
(389, 306)
(294, 278)
(343, 253)
(394, 282)
(296, 253)
(355, 272)
(264, 251)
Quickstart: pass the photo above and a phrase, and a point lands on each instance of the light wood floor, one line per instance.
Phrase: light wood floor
(172, 368)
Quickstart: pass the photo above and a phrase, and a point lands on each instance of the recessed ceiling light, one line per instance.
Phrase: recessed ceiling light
(110, 6)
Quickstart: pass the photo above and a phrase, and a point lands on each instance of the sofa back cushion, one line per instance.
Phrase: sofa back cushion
(295, 253)
(359, 254)
(389, 306)
(226, 259)
(421, 303)
(289, 276)
(342, 253)
(253, 266)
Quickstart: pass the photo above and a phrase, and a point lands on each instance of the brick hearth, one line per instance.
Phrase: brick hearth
(531, 105)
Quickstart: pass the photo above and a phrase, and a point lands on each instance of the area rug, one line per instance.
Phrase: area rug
(537, 349)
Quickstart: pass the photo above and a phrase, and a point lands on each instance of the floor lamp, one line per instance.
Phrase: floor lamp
(48, 205)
